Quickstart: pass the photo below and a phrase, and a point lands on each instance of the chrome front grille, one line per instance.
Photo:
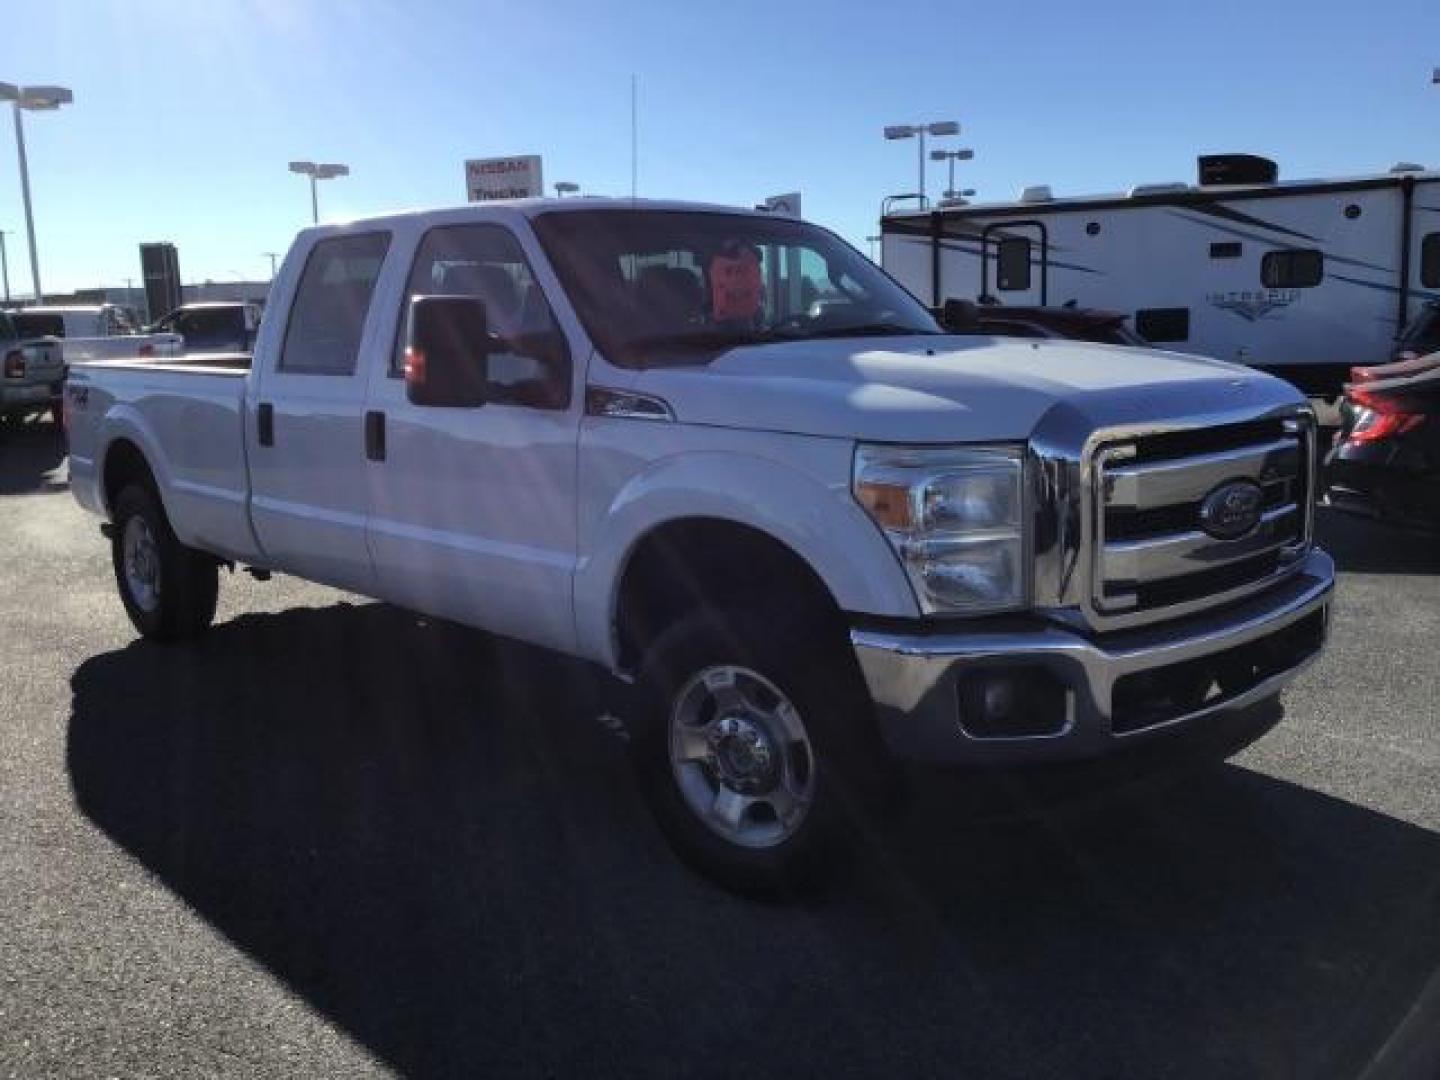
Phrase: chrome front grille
(1153, 554)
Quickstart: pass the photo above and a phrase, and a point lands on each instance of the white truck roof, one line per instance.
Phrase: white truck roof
(533, 207)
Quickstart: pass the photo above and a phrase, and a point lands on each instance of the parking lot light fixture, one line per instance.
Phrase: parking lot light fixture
(936, 129)
(323, 171)
(952, 156)
(31, 99)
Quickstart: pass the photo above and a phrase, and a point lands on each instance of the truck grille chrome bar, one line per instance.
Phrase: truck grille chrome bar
(1189, 519)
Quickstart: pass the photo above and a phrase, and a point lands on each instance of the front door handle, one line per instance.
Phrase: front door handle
(375, 436)
(265, 423)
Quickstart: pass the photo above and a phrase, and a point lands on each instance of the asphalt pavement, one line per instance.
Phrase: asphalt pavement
(335, 839)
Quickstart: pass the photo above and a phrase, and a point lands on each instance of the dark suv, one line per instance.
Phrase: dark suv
(1072, 323)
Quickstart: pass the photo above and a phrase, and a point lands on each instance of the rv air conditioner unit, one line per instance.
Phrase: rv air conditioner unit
(1157, 189)
(1217, 170)
(1037, 193)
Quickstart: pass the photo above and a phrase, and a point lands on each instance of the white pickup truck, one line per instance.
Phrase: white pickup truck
(86, 332)
(727, 459)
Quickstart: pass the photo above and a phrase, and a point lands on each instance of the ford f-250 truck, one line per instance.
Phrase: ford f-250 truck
(726, 458)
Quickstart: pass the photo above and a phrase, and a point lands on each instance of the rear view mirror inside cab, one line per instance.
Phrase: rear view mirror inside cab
(447, 352)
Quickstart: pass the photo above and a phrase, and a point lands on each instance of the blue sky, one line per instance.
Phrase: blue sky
(187, 111)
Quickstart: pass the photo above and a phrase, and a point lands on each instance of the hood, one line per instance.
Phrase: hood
(947, 389)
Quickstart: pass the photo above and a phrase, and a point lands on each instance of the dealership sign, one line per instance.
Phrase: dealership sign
(787, 204)
(503, 178)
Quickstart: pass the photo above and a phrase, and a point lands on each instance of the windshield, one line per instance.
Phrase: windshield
(680, 286)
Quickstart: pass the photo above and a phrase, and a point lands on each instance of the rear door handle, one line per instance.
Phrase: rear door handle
(265, 423)
(375, 436)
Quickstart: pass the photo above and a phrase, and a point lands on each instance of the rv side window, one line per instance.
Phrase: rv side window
(1163, 324)
(1301, 268)
(1430, 261)
(1012, 269)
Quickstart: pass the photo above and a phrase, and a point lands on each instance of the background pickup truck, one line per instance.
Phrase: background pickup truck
(31, 374)
(724, 457)
(93, 332)
(221, 326)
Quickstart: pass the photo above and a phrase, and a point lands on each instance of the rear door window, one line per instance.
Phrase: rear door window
(327, 318)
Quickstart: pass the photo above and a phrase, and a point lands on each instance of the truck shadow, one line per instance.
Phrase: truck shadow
(422, 832)
(31, 455)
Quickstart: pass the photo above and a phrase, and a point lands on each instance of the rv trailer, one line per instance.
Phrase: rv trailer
(1302, 278)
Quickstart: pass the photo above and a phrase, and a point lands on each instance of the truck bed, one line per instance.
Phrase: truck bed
(187, 416)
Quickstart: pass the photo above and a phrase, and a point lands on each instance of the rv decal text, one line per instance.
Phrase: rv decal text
(1253, 305)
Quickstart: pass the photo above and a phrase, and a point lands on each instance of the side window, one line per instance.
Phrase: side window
(1299, 268)
(1163, 324)
(1430, 261)
(1012, 264)
(328, 316)
(486, 262)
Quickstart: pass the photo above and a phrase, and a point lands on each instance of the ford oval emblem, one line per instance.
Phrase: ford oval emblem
(1232, 509)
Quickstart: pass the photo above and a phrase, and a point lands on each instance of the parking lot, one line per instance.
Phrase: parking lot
(334, 839)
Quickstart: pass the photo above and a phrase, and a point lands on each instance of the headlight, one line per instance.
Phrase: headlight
(955, 516)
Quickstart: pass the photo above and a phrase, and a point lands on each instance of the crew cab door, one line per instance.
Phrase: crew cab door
(472, 512)
(305, 436)
(1015, 263)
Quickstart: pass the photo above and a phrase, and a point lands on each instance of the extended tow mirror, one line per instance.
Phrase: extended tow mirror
(447, 352)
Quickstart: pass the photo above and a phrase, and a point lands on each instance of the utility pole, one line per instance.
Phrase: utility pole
(5, 264)
(272, 256)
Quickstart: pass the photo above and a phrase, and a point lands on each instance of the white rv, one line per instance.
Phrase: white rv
(1304, 278)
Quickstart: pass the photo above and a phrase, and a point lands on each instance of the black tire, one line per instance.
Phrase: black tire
(188, 581)
(852, 772)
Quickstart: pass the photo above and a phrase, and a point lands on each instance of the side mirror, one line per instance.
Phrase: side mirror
(959, 316)
(447, 352)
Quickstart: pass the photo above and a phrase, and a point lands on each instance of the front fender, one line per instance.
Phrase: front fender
(819, 521)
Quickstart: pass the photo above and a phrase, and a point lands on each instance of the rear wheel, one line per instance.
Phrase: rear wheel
(755, 748)
(169, 590)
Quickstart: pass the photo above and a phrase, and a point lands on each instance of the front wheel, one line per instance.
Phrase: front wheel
(755, 748)
(169, 590)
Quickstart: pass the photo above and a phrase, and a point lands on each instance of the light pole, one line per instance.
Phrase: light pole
(566, 187)
(272, 256)
(5, 263)
(952, 156)
(35, 99)
(318, 172)
(910, 131)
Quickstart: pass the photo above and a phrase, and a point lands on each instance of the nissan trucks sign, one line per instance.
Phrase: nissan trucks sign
(787, 204)
(503, 178)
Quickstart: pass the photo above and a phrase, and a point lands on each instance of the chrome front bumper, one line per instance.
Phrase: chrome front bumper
(914, 677)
